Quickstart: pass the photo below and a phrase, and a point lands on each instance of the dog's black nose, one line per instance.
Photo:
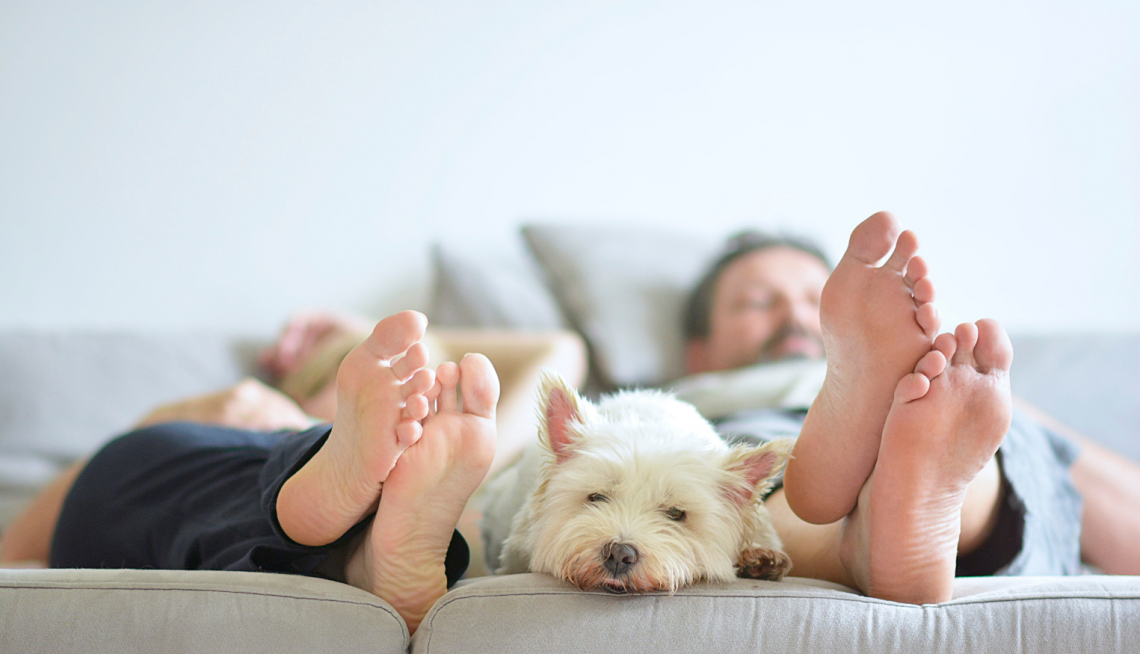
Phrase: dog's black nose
(619, 557)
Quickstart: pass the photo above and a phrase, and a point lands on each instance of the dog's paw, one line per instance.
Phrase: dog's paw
(763, 563)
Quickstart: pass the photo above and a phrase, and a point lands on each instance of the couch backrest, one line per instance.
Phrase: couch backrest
(64, 394)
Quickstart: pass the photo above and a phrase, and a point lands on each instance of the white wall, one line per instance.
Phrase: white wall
(219, 164)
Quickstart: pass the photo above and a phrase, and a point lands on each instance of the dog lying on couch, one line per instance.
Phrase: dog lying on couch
(637, 494)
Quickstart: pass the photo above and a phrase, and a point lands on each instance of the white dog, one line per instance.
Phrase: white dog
(635, 494)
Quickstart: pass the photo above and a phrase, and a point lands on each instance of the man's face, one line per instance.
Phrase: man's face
(765, 307)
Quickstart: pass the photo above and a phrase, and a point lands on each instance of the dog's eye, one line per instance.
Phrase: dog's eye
(597, 497)
(675, 514)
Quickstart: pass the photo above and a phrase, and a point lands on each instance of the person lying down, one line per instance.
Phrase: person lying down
(893, 483)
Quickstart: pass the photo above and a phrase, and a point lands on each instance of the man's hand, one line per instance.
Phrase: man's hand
(249, 405)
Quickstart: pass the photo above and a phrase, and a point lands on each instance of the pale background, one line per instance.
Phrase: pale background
(218, 165)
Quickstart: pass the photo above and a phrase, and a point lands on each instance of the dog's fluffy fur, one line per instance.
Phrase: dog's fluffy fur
(639, 494)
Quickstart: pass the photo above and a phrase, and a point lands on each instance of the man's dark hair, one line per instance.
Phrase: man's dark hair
(699, 304)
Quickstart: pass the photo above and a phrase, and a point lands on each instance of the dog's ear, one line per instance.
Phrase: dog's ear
(752, 468)
(559, 406)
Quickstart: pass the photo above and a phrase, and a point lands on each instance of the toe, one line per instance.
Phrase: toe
(931, 364)
(915, 270)
(923, 290)
(416, 408)
(966, 335)
(420, 383)
(432, 395)
(946, 344)
(873, 238)
(928, 319)
(395, 334)
(905, 248)
(993, 349)
(408, 432)
(448, 376)
(480, 385)
(415, 359)
(912, 387)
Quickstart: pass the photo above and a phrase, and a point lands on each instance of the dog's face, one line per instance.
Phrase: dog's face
(639, 494)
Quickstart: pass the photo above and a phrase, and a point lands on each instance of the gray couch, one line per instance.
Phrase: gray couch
(61, 395)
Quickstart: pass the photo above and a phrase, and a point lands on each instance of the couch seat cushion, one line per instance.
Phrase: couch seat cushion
(536, 613)
(90, 611)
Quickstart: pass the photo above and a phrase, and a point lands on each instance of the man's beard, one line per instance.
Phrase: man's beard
(769, 349)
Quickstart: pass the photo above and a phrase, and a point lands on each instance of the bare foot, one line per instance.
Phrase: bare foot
(401, 558)
(877, 322)
(947, 421)
(379, 404)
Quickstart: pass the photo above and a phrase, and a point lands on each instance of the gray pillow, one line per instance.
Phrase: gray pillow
(493, 291)
(624, 289)
(1086, 381)
(64, 394)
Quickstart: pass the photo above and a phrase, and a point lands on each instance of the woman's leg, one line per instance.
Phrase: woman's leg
(380, 401)
(416, 480)
(403, 556)
(247, 405)
(27, 541)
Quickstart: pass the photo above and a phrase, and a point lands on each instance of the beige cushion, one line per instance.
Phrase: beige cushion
(92, 611)
(1003, 615)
